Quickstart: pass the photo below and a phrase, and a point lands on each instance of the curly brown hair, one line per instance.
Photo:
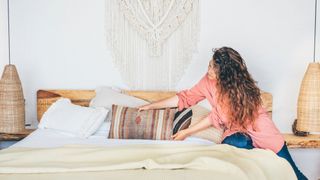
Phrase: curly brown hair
(236, 85)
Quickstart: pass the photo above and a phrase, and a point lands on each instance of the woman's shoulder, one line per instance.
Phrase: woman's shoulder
(209, 84)
(206, 86)
(206, 80)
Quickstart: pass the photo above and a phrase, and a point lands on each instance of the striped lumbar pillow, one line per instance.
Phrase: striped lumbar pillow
(182, 120)
(127, 123)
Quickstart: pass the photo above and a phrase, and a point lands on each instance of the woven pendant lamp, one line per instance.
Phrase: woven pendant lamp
(309, 100)
(12, 106)
(308, 111)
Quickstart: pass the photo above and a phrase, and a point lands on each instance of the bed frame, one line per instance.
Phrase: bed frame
(82, 97)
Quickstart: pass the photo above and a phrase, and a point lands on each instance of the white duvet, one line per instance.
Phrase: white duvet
(215, 159)
(47, 154)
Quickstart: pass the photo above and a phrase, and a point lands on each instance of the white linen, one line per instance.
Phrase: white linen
(67, 117)
(241, 163)
(46, 138)
(68, 155)
(103, 129)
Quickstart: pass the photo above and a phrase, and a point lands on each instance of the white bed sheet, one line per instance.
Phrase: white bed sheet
(46, 138)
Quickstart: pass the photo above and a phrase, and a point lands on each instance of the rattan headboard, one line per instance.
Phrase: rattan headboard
(82, 97)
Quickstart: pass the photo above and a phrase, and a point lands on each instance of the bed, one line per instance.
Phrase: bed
(48, 154)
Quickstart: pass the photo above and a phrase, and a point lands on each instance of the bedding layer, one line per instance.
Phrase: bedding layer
(212, 161)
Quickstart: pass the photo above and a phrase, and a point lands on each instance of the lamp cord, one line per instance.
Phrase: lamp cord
(315, 31)
(9, 32)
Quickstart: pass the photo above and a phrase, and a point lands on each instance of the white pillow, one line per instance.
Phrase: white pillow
(106, 96)
(103, 129)
(67, 117)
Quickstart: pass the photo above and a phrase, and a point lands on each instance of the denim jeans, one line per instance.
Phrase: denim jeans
(241, 140)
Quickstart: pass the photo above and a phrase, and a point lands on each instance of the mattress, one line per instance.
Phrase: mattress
(47, 138)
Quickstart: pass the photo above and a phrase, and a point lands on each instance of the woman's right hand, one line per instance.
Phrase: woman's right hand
(144, 107)
(180, 135)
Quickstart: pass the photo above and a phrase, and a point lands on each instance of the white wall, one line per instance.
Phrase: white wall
(61, 44)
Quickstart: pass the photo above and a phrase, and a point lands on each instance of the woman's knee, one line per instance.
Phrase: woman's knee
(239, 140)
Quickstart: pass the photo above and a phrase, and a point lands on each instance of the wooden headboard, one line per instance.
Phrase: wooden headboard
(82, 97)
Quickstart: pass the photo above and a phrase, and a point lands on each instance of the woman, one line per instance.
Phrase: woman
(236, 107)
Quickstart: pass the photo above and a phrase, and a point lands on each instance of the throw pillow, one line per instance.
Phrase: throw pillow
(182, 120)
(128, 123)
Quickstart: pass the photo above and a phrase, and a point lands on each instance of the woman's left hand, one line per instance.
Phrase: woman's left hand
(180, 135)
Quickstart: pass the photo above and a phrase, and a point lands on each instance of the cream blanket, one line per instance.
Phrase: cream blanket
(223, 160)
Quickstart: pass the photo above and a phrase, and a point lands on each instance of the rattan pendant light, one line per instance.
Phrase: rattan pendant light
(309, 96)
(12, 106)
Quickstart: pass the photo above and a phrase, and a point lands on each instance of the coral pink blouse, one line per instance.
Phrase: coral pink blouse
(265, 136)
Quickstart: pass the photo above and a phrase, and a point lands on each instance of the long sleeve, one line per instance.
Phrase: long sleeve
(191, 96)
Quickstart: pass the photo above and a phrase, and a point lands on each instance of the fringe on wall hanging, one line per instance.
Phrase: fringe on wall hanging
(152, 42)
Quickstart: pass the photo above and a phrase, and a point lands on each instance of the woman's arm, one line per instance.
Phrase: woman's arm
(200, 125)
(169, 102)
(183, 99)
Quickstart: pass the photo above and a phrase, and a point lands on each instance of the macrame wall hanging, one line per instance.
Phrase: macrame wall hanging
(152, 41)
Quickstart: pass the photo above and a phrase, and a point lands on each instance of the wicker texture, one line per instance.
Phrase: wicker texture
(309, 100)
(12, 106)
